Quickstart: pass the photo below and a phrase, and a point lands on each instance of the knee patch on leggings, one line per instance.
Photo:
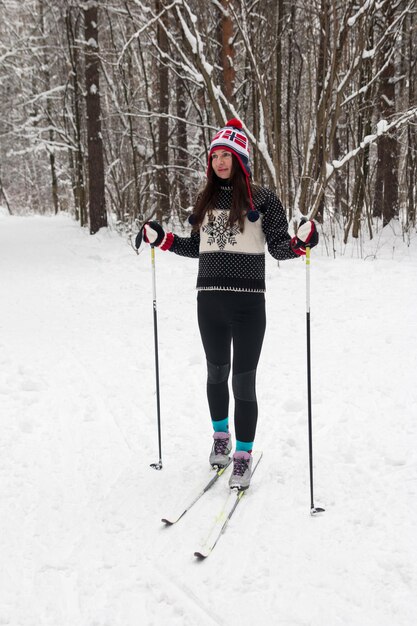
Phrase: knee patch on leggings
(217, 373)
(244, 386)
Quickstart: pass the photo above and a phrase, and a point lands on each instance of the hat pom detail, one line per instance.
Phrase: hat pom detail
(253, 215)
(235, 123)
(191, 219)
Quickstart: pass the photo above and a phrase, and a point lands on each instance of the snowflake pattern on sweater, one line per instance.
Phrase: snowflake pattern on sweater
(219, 231)
(232, 260)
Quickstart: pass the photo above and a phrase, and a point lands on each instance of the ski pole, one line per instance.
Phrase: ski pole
(158, 465)
(313, 509)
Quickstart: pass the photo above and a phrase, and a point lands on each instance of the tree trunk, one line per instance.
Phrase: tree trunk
(77, 157)
(364, 127)
(321, 123)
(227, 51)
(386, 190)
(182, 146)
(411, 173)
(6, 199)
(411, 159)
(163, 206)
(54, 179)
(339, 176)
(277, 101)
(148, 210)
(127, 80)
(255, 159)
(97, 206)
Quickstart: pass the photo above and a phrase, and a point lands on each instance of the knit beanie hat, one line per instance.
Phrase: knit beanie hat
(233, 139)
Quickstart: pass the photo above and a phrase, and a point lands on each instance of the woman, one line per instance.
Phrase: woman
(232, 220)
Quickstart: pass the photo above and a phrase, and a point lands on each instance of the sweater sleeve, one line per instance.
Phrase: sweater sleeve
(186, 246)
(275, 227)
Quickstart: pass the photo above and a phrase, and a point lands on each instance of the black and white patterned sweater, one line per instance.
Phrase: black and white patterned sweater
(230, 260)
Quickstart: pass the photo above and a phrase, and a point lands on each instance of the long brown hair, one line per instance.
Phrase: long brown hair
(207, 198)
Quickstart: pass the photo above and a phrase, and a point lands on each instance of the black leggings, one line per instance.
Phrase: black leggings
(227, 317)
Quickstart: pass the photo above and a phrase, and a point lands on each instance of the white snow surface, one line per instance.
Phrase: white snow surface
(81, 541)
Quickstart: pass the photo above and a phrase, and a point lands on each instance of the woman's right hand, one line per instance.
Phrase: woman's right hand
(153, 233)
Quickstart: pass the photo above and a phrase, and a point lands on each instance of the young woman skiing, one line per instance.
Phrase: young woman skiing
(232, 220)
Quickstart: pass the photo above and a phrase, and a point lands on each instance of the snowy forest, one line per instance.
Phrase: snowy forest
(108, 108)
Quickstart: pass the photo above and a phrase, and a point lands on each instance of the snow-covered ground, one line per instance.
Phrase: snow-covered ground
(81, 543)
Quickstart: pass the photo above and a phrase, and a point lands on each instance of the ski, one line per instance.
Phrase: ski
(174, 519)
(222, 519)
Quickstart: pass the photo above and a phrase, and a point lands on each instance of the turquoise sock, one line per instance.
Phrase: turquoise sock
(221, 426)
(244, 446)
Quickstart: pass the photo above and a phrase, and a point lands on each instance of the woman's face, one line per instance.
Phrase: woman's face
(221, 161)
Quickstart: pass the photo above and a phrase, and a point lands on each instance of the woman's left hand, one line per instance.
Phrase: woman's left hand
(306, 236)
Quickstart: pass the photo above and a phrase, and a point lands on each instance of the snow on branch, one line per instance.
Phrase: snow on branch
(196, 47)
(155, 18)
(394, 32)
(221, 8)
(194, 41)
(261, 143)
(382, 128)
(46, 94)
(373, 80)
(364, 9)
(89, 4)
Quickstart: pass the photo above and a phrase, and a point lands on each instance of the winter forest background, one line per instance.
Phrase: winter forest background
(106, 114)
(108, 108)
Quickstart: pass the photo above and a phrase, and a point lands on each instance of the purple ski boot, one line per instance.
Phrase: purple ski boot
(242, 471)
(222, 446)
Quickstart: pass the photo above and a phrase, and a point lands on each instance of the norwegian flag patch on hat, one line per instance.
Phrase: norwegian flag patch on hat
(232, 138)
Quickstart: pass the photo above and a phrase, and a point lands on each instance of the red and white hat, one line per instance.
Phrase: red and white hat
(233, 139)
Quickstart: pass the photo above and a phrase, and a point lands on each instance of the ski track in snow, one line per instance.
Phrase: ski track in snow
(81, 541)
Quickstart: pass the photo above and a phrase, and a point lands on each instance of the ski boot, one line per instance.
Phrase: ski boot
(222, 446)
(242, 471)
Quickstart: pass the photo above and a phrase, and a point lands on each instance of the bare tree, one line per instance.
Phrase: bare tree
(163, 206)
(96, 195)
(325, 90)
(74, 117)
(227, 50)
(385, 203)
(411, 154)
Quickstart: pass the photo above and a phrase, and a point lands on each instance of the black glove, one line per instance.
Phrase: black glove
(155, 235)
(306, 236)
